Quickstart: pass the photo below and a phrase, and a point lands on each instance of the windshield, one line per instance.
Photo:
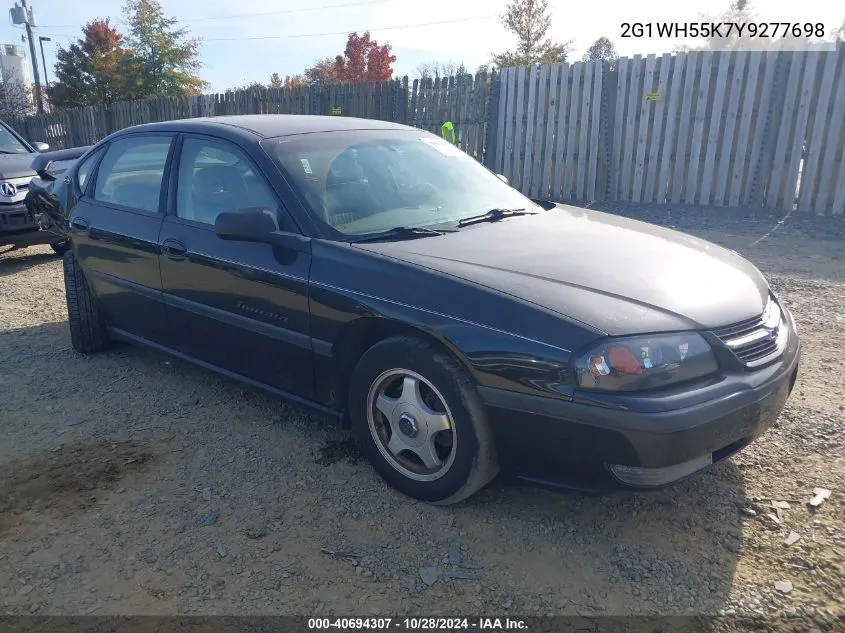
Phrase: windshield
(368, 181)
(9, 144)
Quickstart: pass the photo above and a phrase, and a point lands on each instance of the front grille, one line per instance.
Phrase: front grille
(758, 340)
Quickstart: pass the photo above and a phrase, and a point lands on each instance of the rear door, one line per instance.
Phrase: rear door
(240, 306)
(116, 224)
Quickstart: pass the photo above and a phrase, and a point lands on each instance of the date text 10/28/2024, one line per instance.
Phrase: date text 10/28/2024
(489, 625)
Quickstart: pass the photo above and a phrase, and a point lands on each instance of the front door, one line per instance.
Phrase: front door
(240, 306)
(116, 223)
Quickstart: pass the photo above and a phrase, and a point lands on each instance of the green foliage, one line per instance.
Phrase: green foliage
(530, 21)
(92, 71)
(165, 63)
(602, 50)
(154, 60)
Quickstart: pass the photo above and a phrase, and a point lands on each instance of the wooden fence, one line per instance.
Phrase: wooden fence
(739, 129)
(425, 104)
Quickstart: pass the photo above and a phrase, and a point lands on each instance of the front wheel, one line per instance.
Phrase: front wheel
(417, 416)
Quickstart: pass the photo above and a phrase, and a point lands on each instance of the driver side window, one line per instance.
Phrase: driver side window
(217, 176)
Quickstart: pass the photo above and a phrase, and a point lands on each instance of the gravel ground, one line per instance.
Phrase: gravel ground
(132, 484)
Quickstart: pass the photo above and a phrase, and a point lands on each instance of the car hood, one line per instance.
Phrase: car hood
(16, 166)
(617, 275)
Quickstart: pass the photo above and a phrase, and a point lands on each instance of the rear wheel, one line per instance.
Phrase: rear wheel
(87, 329)
(418, 418)
(60, 248)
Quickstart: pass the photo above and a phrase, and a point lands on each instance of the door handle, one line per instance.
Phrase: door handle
(80, 225)
(174, 249)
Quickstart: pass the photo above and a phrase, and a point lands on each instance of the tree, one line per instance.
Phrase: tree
(323, 70)
(275, 81)
(602, 50)
(165, 62)
(296, 81)
(363, 60)
(433, 70)
(92, 71)
(530, 21)
(15, 97)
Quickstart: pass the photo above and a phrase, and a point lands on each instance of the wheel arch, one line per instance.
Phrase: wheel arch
(361, 334)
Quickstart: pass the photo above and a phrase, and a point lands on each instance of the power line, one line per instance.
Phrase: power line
(347, 31)
(235, 16)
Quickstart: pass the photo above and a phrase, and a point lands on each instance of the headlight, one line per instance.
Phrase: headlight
(645, 362)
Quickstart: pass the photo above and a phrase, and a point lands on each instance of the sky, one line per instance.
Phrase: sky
(246, 41)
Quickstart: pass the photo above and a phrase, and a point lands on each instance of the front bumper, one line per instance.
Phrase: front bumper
(19, 227)
(660, 439)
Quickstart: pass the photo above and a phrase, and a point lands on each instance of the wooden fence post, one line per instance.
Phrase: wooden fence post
(491, 118)
(607, 120)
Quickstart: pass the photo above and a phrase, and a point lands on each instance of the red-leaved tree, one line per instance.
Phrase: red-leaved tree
(363, 60)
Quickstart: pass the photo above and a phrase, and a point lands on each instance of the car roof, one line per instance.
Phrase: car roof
(267, 125)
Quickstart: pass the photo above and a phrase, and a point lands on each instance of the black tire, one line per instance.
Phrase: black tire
(60, 248)
(474, 463)
(88, 332)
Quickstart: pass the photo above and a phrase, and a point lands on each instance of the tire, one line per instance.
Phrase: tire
(383, 379)
(87, 329)
(60, 248)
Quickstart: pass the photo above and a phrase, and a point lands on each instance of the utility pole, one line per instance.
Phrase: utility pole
(23, 15)
(41, 40)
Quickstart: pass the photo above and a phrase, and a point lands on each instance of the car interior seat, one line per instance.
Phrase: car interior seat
(217, 189)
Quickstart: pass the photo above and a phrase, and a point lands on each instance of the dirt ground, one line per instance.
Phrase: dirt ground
(133, 484)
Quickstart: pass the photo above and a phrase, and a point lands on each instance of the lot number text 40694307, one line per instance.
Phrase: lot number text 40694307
(417, 624)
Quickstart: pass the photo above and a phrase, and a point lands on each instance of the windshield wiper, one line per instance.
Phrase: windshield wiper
(403, 232)
(494, 215)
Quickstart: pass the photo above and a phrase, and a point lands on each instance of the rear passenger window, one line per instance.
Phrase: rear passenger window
(132, 171)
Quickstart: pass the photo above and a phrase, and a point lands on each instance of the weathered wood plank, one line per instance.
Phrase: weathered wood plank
(656, 138)
(571, 140)
(745, 118)
(685, 124)
(519, 129)
(644, 120)
(500, 128)
(780, 159)
(551, 127)
(598, 79)
(715, 128)
(530, 126)
(703, 93)
(670, 136)
(821, 127)
(560, 131)
(726, 151)
(827, 194)
(629, 133)
(753, 189)
(807, 101)
(584, 132)
(540, 119)
(510, 123)
(619, 121)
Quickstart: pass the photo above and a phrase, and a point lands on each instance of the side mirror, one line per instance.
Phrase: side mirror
(504, 179)
(41, 147)
(257, 224)
(245, 225)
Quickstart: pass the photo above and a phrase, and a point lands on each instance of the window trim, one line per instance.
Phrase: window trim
(97, 155)
(164, 179)
(173, 184)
